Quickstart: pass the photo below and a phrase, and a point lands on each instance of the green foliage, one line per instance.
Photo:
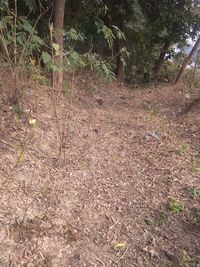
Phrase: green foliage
(164, 22)
(181, 149)
(168, 72)
(3, 4)
(74, 60)
(158, 220)
(26, 38)
(192, 79)
(107, 33)
(141, 27)
(197, 216)
(194, 193)
(187, 260)
(31, 4)
(17, 111)
(74, 35)
(100, 66)
(118, 33)
(93, 61)
(196, 169)
(176, 206)
(48, 61)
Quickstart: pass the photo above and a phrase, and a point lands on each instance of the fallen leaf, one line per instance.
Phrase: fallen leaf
(21, 157)
(32, 122)
(120, 246)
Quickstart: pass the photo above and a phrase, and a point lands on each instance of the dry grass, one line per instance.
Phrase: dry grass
(126, 156)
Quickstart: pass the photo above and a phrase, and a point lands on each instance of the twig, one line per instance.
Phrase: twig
(100, 261)
(122, 255)
(7, 144)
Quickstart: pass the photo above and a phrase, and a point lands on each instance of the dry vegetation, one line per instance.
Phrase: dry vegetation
(124, 189)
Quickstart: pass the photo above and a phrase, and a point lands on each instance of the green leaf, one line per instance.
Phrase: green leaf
(120, 35)
(56, 47)
(73, 35)
(46, 57)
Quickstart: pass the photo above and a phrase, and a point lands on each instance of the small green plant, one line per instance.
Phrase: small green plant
(162, 219)
(196, 170)
(17, 111)
(181, 149)
(197, 216)
(187, 260)
(176, 206)
(158, 220)
(194, 192)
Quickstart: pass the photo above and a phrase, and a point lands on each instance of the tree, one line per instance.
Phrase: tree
(186, 61)
(111, 29)
(170, 22)
(58, 22)
(161, 58)
(126, 15)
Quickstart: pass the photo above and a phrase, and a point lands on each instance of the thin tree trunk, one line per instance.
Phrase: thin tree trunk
(187, 59)
(160, 61)
(59, 8)
(120, 65)
(119, 57)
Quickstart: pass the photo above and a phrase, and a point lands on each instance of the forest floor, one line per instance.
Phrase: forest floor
(122, 190)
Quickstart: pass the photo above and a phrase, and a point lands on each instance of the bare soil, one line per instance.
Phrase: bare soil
(101, 196)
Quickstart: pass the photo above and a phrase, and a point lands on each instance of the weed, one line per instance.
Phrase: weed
(162, 218)
(194, 192)
(196, 170)
(186, 260)
(176, 206)
(197, 216)
(18, 111)
(196, 164)
(158, 220)
(181, 149)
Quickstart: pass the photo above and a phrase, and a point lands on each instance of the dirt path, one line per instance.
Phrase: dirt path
(107, 204)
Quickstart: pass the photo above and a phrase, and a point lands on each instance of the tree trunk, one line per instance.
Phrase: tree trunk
(186, 61)
(120, 65)
(119, 57)
(58, 19)
(160, 61)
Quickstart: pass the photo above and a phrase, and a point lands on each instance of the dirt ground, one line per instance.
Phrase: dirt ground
(102, 176)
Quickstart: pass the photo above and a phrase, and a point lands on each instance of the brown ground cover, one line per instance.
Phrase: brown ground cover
(122, 190)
